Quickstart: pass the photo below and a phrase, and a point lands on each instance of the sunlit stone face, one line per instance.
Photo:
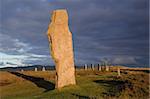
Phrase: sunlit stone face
(60, 39)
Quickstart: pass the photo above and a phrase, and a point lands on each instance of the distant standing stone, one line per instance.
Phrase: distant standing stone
(35, 69)
(99, 67)
(118, 70)
(85, 67)
(60, 39)
(92, 66)
(22, 70)
(43, 69)
(107, 68)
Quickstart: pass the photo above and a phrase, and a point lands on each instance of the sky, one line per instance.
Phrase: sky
(114, 29)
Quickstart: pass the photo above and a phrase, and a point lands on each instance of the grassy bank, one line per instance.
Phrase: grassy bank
(90, 85)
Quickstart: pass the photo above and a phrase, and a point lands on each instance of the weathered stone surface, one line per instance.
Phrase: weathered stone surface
(60, 39)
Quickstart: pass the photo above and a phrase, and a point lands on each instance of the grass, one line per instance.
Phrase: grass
(90, 85)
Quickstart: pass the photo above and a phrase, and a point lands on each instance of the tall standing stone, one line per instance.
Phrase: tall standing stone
(60, 39)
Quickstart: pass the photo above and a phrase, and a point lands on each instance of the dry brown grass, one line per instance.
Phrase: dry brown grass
(130, 85)
(7, 78)
(137, 85)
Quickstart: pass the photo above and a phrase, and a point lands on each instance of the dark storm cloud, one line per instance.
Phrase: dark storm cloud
(117, 29)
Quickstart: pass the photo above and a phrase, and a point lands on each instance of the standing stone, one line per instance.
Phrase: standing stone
(92, 66)
(99, 67)
(60, 39)
(107, 68)
(35, 69)
(118, 70)
(43, 69)
(85, 67)
(22, 70)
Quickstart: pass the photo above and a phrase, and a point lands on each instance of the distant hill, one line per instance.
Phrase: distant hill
(48, 67)
(27, 68)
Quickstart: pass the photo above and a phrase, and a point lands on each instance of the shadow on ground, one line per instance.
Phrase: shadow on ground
(40, 82)
(80, 96)
(114, 87)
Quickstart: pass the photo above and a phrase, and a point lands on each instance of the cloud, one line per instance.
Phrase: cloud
(124, 60)
(13, 45)
(14, 53)
(7, 60)
(100, 29)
